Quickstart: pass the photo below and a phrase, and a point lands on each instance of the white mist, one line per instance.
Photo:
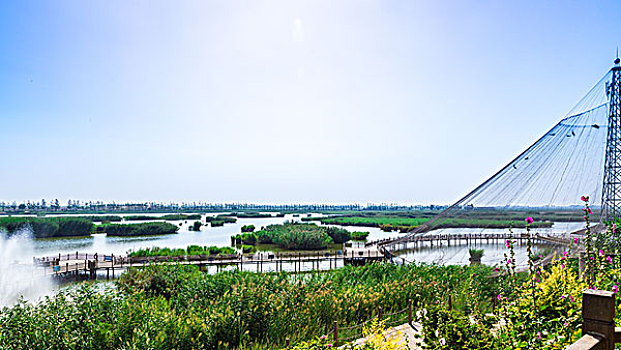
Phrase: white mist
(18, 277)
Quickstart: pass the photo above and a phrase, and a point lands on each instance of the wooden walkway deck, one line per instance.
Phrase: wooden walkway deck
(449, 239)
(63, 264)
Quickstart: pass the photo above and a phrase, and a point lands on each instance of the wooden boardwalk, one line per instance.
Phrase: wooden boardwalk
(63, 264)
(448, 239)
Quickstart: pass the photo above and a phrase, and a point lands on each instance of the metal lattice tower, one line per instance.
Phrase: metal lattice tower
(611, 190)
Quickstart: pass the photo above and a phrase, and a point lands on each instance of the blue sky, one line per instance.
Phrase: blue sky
(285, 101)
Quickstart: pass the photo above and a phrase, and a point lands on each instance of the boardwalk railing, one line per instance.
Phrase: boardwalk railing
(91, 262)
(598, 325)
(60, 258)
(542, 238)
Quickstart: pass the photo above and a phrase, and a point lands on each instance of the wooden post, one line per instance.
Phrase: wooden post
(67, 267)
(287, 345)
(379, 313)
(336, 334)
(410, 311)
(598, 313)
(450, 302)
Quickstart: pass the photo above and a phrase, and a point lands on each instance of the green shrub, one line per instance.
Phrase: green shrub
(247, 228)
(359, 236)
(245, 238)
(338, 235)
(247, 249)
(475, 254)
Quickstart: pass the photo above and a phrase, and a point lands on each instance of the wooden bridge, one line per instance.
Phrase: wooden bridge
(76, 263)
(448, 239)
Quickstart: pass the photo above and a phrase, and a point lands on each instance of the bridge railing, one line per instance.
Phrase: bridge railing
(60, 259)
(554, 239)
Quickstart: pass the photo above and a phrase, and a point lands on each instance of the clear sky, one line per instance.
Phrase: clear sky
(285, 101)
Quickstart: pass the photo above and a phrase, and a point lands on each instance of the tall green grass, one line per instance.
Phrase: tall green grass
(48, 227)
(190, 250)
(178, 307)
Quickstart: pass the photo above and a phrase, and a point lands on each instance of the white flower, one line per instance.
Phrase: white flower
(442, 342)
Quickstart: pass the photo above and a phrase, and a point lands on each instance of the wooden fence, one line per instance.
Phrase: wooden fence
(598, 325)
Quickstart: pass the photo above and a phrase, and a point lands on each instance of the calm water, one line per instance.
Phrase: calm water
(221, 236)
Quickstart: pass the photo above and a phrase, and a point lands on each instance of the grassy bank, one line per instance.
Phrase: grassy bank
(142, 229)
(404, 223)
(220, 220)
(169, 217)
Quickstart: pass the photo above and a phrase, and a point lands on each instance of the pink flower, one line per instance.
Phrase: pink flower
(585, 198)
(496, 269)
(499, 297)
(601, 252)
(615, 289)
(329, 345)
(539, 335)
(437, 302)
(614, 227)
(571, 298)
(538, 272)
(562, 266)
(324, 336)
(509, 261)
(508, 244)
(576, 240)
(590, 212)
(609, 259)
(529, 220)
